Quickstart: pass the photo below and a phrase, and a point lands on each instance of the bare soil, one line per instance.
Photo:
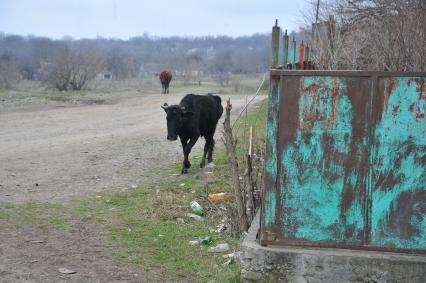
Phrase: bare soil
(56, 151)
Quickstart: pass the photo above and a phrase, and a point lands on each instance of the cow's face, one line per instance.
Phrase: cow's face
(175, 118)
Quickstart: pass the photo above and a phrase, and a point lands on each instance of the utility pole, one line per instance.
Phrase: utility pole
(316, 14)
(314, 31)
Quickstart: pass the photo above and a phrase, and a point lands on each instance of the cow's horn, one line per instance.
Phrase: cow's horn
(165, 106)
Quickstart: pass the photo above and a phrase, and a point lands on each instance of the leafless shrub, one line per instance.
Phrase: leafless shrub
(71, 69)
(385, 35)
(9, 72)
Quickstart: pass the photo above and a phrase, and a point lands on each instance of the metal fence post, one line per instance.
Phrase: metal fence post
(284, 61)
(275, 45)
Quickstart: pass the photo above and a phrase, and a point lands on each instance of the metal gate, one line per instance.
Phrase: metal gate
(346, 159)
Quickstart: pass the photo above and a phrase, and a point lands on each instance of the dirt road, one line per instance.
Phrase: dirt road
(60, 152)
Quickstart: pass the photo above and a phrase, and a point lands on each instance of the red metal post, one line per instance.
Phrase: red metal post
(301, 55)
(307, 50)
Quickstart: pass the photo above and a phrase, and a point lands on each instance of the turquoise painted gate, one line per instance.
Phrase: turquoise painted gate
(346, 160)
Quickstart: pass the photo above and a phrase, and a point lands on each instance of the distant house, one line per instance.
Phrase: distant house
(106, 76)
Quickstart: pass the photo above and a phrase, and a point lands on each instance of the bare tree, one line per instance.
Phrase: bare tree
(222, 66)
(9, 72)
(370, 34)
(71, 69)
(85, 66)
(121, 64)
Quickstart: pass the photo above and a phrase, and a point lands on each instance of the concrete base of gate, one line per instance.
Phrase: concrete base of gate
(291, 264)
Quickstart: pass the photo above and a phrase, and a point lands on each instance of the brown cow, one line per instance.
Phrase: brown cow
(165, 78)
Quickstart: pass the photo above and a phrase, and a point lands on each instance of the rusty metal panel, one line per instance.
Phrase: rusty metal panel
(323, 156)
(398, 201)
(345, 160)
(269, 206)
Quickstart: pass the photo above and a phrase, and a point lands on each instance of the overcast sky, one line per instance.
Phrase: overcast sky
(128, 18)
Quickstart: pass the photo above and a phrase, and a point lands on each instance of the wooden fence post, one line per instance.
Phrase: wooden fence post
(243, 223)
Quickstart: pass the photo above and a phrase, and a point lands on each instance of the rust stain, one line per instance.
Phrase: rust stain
(311, 88)
(414, 107)
(309, 118)
(335, 100)
(391, 85)
(310, 115)
(395, 110)
(421, 89)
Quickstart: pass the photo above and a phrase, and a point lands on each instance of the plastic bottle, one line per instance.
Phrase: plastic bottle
(196, 208)
(194, 242)
(219, 196)
(206, 240)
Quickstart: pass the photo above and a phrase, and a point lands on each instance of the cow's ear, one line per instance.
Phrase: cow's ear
(165, 106)
(187, 114)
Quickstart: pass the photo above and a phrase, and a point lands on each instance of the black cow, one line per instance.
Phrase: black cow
(195, 116)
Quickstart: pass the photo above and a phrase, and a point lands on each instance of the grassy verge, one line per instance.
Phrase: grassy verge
(148, 226)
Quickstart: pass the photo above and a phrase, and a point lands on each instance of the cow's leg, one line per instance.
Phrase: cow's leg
(206, 150)
(210, 153)
(186, 151)
(167, 88)
(186, 164)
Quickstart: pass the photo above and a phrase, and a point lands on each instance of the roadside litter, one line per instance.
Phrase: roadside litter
(180, 220)
(197, 208)
(228, 262)
(195, 216)
(209, 168)
(219, 196)
(205, 241)
(64, 270)
(220, 248)
(231, 255)
(221, 226)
